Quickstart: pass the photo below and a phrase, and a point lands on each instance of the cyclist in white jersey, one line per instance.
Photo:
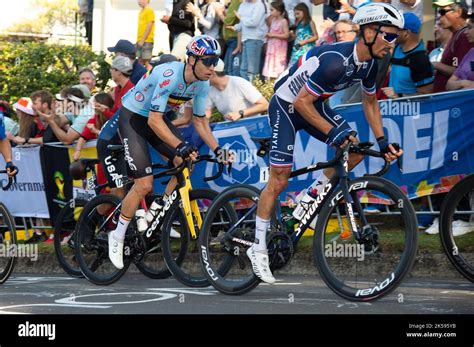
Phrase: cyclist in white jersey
(298, 103)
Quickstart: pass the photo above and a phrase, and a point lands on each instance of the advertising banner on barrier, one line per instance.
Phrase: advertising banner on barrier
(435, 132)
(26, 197)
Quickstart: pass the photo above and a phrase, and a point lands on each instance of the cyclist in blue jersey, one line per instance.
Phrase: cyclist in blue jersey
(298, 103)
(142, 121)
(6, 149)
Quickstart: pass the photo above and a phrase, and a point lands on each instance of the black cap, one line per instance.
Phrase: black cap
(123, 46)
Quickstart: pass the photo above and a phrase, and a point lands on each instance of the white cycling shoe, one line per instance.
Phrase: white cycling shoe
(260, 265)
(115, 251)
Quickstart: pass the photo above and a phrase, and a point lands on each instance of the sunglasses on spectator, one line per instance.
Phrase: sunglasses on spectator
(388, 37)
(210, 61)
(443, 11)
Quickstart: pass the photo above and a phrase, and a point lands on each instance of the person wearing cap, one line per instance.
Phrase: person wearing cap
(120, 70)
(146, 33)
(412, 72)
(28, 125)
(127, 49)
(234, 97)
(299, 104)
(463, 77)
(453, 15)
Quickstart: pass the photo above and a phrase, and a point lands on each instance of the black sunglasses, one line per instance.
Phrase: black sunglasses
(443, 11)
(388, 37)
(210, 61)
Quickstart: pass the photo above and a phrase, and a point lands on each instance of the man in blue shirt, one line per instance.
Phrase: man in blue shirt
(127, 49)
(298, 104)
(412, 72)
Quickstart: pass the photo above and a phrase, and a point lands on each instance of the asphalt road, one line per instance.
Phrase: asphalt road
(136, 294)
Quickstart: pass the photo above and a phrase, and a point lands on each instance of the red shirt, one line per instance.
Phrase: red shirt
(453, 54)
(119, 92)
(86, 133)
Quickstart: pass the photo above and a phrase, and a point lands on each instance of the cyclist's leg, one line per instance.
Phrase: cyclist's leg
(281, 161)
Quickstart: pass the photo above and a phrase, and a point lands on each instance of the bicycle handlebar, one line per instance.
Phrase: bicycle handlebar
(10, 180)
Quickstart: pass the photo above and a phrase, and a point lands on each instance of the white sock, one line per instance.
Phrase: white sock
(122, 225)
(260, 243)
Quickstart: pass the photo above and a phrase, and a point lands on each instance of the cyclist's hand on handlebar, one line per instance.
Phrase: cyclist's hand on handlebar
(186, 150)
(391, 152)
(340, 137)
(11, 169)
(224, 155)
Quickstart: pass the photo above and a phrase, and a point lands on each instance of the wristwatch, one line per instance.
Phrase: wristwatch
(241, 112)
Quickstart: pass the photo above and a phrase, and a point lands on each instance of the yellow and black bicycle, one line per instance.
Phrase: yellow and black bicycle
(172, 234)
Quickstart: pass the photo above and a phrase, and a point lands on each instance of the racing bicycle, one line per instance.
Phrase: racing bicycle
(8, 240)
(360, 256)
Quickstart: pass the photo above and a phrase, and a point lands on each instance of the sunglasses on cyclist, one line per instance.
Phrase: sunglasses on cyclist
(388, 37)
(443, 11)
(210, 61)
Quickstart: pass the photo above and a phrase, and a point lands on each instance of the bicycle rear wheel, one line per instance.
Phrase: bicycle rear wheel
(64, 228)
(369, 269)
(458, 204)
(7, 240)
(225, 262)
(91, 240)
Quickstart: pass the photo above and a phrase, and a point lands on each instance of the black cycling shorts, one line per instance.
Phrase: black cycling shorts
(115, 168)
(136, 134)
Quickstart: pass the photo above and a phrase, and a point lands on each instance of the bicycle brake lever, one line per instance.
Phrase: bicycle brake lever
(399, 159)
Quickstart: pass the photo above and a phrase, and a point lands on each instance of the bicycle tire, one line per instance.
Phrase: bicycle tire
(84, 243)
(7, 219)
(144, 266)
(237, 283)
(65, 223)
(182, 272)
(448, 207)
(407, 258)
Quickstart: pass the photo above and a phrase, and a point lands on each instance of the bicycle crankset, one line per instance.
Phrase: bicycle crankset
(370, 239)
(280, 250)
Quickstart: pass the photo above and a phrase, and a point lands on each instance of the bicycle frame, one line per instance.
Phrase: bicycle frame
(340, 178)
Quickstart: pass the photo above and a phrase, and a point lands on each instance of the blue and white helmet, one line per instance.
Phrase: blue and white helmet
(378, 13)
(203, 45)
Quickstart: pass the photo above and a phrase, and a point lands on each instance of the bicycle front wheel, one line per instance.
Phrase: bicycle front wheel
(180, 250)
(458, 207)
(7, 243)
(366, 269)
(98, 218)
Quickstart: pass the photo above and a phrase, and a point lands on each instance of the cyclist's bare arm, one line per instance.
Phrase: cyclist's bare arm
(304, 104)
(6, 150)
(204, 130)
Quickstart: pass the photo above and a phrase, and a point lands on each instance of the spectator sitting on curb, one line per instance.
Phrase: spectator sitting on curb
(127, 49)
(463, 77)
(412, 72)
(233, 96)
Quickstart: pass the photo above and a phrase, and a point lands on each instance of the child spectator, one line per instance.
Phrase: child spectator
(277, 44)
(101, 101)
(305, 33)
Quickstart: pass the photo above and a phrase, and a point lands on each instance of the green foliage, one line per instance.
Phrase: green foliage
(27, 67)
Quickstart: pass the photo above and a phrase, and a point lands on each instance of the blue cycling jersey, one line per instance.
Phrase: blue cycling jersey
(163, 89)
(2, 126)
(324, 70)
